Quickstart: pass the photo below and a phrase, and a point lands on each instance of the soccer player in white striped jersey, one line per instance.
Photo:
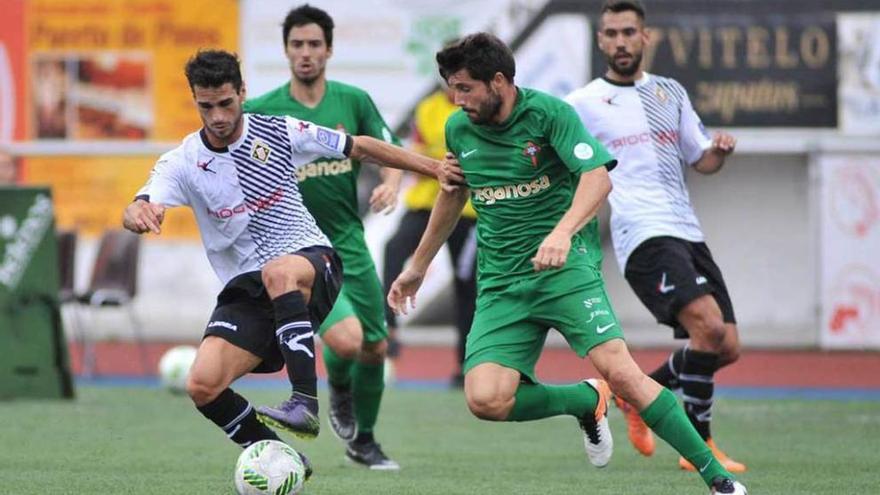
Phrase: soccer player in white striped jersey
(648, 123)
(280, 272)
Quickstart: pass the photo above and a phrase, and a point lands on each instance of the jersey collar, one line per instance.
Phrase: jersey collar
(638, 82)
(225, 149)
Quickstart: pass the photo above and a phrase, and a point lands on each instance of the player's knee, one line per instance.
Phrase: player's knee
(709, 331)
(202, 391)
(276, 279)
(347, 348)
(729, 354)
(374, 352)
(487, 406)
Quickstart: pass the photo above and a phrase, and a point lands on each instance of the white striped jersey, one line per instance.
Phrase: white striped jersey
(654, 132)
(245, 196)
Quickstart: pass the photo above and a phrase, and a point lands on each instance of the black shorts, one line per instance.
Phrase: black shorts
(244, 315)
(667, 273)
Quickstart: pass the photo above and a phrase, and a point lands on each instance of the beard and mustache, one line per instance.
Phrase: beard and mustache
(633, 63)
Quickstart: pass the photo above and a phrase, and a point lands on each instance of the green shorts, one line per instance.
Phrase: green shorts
(511, 322)
(363, 297)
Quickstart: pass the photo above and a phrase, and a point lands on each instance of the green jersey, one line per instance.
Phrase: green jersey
(329, 185)
(522, 175)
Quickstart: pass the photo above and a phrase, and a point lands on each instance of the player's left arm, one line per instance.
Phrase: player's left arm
(371, 149)
(586, 158)
(592, 189)
(713, 158)
(706, 154)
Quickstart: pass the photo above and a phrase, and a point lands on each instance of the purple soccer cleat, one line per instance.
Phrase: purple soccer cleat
(297, 415)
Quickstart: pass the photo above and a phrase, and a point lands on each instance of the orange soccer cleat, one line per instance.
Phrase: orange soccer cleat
(728, 463)
(639, 433)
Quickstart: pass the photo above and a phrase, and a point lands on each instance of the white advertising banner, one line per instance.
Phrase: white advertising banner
(859, 73)
(850, 251)
(387, 47)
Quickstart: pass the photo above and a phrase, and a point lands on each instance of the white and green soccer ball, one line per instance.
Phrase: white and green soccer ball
(269, 466)
(174, 367)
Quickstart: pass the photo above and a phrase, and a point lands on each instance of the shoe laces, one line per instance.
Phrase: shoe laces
(591, 428)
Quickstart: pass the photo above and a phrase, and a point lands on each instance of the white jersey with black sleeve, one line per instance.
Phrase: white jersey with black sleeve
(245, 196)
(654, 132)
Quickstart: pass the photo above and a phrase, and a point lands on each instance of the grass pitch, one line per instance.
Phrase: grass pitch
(116, 440)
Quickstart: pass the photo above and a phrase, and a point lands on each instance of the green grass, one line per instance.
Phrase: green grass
(145, 441)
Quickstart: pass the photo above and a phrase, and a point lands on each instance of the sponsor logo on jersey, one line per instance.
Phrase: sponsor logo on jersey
(669, 137)
(246, 206)
(204, 165)
(323, 169)
(261, 151)
(328, 138)
(661, 94)
(609, 100)
(583, 151)
(531, 150)
(490, 195)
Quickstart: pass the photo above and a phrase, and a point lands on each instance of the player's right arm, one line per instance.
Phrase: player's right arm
(444, 217)
(164, 188)
(142, 216)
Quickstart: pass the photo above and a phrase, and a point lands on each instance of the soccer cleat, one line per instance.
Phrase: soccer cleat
(728, 463)
(307, 464)
(369, 454)
(727, 486)
(639, 433)
(341, 416)
(597, 435)
(297, 415)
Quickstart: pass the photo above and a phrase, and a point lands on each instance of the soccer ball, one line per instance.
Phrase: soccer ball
(269, 466)
(174, 367)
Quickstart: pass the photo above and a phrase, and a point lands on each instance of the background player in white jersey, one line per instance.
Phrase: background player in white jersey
(281, 276)
(648, 123)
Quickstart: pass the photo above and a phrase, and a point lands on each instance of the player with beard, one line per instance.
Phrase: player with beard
(648, 123)
(537, 178)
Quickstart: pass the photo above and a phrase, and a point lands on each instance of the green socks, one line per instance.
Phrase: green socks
(537, 401)
(367, 382)
(338, 369)
(670, 423)
(367, 385)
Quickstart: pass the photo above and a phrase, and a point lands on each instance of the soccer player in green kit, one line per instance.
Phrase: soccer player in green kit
(354, 333)
(536, 178)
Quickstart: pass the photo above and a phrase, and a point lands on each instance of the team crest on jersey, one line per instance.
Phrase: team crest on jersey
(661, 94)
(261, 151)
(531, 150)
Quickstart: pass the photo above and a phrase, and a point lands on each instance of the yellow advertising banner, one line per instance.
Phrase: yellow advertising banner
(90, 192)
(113, 69)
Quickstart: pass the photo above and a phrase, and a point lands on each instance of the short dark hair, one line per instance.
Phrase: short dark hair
(481, 54)
(306, 14)
(618, 6)
(212, 69)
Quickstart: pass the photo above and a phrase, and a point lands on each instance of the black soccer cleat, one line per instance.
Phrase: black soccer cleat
(307, 464)
(341, 416)
(369, 454)
(727, 486)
